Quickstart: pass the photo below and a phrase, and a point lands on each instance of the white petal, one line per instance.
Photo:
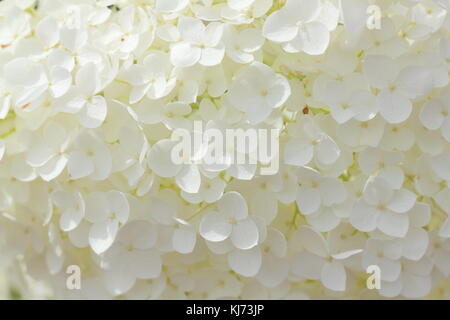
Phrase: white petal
(273, 271)
(214, 227)
(313, 241)
(402, 201)
(245, 234)
(334, 276)
(191, 29)
(432, 115)
(118, 204)
(415, 81)
(145, 264)
(313, 38)
(79, 165)
(118, 282)
(70, 219)
(415, 244)
(160, 159)
(308, 200)
(393, 224)
(184, 240)
(212, 56)
(441, 165)
(189, 179)
(364, 217)
(61, 81)
(48, 31)
(279, 28)
(94, 112)
(394, 107)
(298, 152)
(444, 231)
(327, 151)
(265, 205)
(391, 289)
(303, 10)
(169, 6)
(390, 269)
(333, 191)
(141, 234)
(415, 287)
(79, 237)
(239, 4)
(307, 265)
(346, 254)
(420, 214)
(323, 220)
(102, 235)
(163, 211)
(23, 72)
(39, 154)
(234, 205)
(380, 71)
(183, 54)
(245, 262)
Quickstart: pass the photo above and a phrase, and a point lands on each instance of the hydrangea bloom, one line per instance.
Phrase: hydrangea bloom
(92, 94)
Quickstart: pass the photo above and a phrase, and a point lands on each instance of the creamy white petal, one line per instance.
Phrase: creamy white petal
(245, 262)
(333, 276)
(214, 227)
(245, 234)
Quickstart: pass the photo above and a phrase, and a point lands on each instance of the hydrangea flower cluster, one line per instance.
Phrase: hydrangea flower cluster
(91, 91)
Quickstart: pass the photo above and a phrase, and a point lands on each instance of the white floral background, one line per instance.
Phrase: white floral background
(90, 92)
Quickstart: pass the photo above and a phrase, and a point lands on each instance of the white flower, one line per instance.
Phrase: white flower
(83, 99)
(435, 114)
(172, 114)
(211, 190)
(107, 211)
(26, 79)
(48, 152)
(15, 25)
(366, 133)
(72, 208)
(90, 158)
(384, 208)
(257, 90)
(231, 220)
(316, 262)
(274, 266)
(310, 142)
(315, 191)
(386, 255)
(199, 43)
(241, 46)
(297, 26)
(397, 87)
(187, 175)
(384, 164)
(151, 78)
(123, 36)
(350, 99)
(98, 101)
(132, 257)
